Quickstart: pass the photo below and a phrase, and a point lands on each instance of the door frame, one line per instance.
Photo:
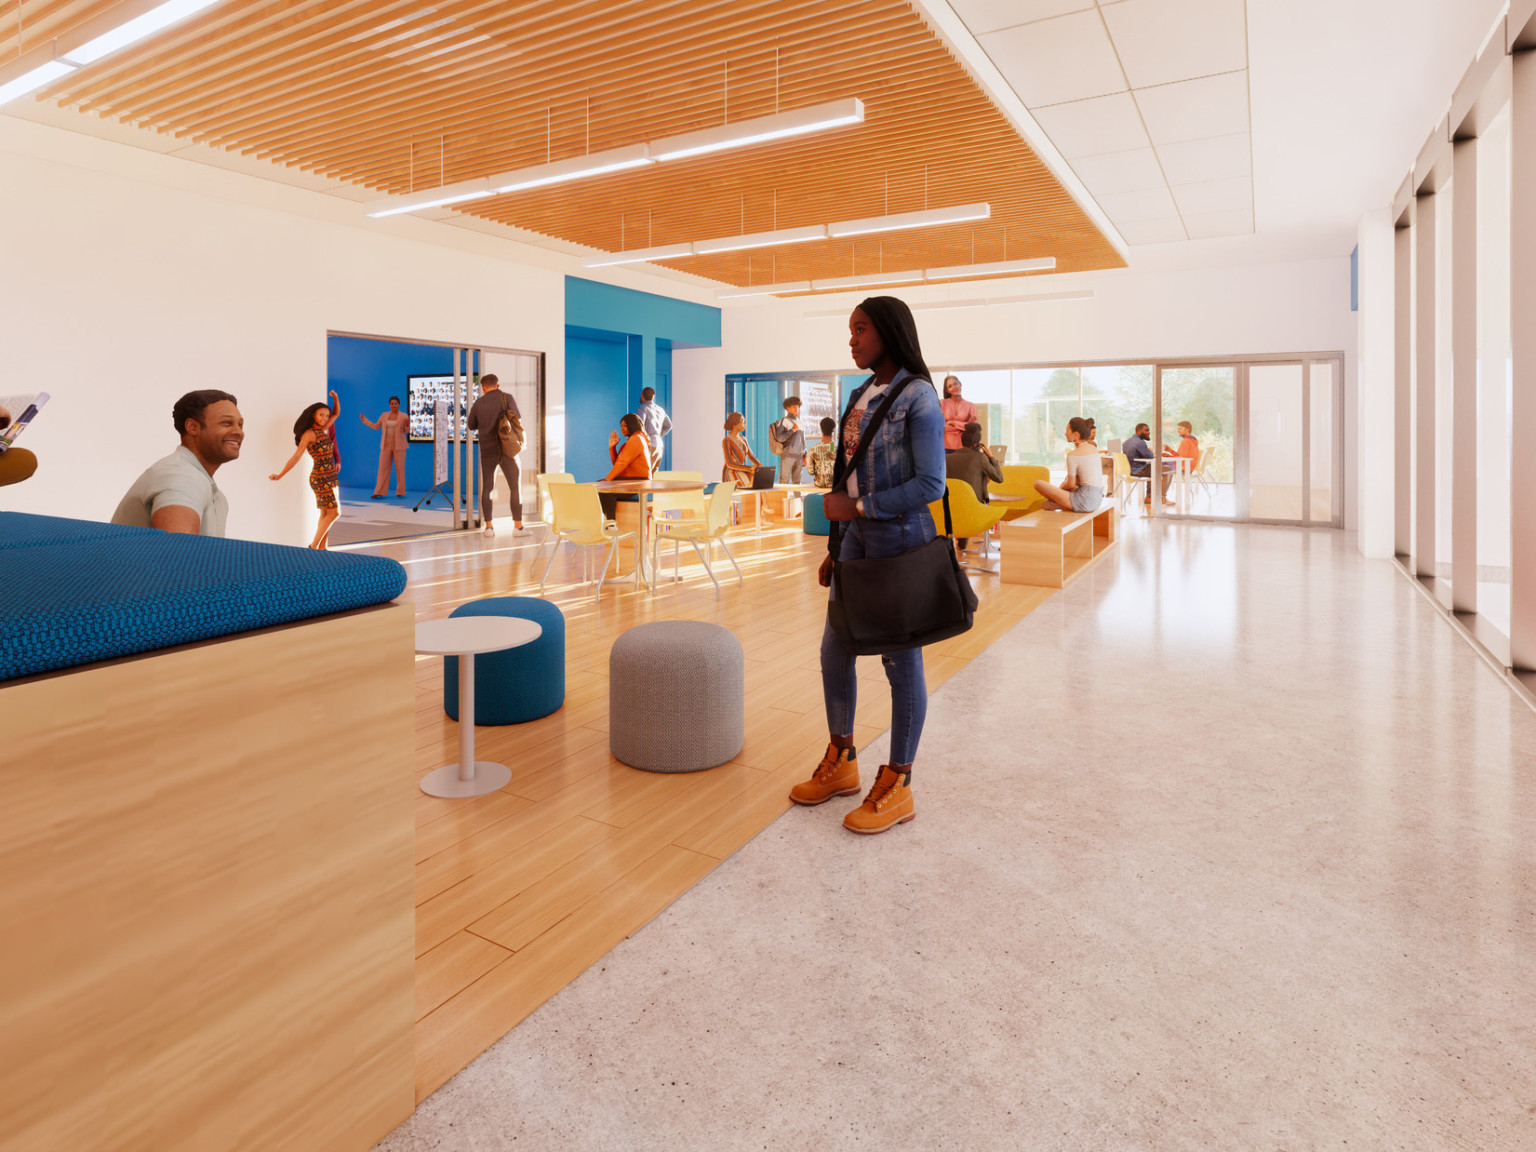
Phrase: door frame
(1241, 446)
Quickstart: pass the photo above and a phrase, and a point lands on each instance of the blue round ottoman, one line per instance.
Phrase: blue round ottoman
(814, 521)
(676, 696)
(521, 683)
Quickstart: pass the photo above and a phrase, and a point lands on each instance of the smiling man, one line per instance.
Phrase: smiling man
(177, 494)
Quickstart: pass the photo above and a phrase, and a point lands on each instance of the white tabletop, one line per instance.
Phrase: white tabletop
(465, 635)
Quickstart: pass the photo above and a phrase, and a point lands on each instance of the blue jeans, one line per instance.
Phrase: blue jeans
(909, 689)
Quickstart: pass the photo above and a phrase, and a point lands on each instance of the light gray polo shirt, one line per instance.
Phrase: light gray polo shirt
(179, 479)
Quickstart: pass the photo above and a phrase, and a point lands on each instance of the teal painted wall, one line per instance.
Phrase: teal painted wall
(618, 342)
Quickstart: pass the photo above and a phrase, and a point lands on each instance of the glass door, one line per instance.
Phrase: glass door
(1197, 433)
(1290, 465)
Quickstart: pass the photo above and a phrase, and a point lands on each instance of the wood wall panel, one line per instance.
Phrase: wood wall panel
(206, 894)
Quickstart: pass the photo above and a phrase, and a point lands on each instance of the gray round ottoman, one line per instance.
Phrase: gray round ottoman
(676, 696)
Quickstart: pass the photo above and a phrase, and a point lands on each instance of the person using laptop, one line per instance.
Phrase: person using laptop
(738, 452)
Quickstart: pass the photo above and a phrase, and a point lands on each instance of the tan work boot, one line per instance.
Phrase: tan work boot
(889, 802)
(836, 775)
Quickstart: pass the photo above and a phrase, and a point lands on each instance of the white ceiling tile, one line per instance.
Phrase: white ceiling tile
(1215, 158)
(1206, 225)
(1214, 196)
(1051, 61)
(990, 15)
(1161, 41)
(1195, 109)
(1143, 204)
(1088, 127)
(1120, 172)
(1163, 230)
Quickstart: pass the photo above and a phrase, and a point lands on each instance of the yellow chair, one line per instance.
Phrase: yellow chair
(547, 509)
(579, 522)
(969, 516)
(1198, 472)
(1123, 478)
(1019, 480)
(688, 505)
(711, 530)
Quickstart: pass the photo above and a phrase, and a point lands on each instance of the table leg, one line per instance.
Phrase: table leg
(469, 777)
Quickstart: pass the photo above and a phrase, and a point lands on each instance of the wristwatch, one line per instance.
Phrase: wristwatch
(859, 505)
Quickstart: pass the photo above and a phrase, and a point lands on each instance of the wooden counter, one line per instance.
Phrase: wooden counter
(206, 897)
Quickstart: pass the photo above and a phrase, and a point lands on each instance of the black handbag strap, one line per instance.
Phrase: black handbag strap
(868, 435)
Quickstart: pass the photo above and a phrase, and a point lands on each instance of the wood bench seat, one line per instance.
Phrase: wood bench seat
(1046, 549)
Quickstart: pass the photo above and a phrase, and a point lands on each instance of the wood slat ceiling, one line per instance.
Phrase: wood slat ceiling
(396, 95)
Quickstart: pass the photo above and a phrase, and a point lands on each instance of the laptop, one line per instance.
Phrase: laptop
(763, 477)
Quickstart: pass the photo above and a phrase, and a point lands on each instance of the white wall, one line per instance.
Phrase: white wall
(128, 278)
(698, 409)
(1293, 307)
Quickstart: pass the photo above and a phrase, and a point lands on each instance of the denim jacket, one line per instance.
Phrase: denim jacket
(903, 471)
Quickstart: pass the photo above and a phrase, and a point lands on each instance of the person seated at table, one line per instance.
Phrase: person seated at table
(1188, 449)
(973, 463)
(1082, 490)
(823, 456)
(1139, 454)
(738, 452)
(631, 461)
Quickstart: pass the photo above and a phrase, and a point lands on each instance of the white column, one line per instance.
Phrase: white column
(1522, 305)
(1424, 387)
(1374, 447)
(1464, 440)
(1402, 392)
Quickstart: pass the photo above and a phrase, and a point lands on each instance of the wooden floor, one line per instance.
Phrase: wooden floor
(520, 891)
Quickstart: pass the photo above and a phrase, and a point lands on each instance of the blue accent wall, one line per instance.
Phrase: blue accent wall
(365, 374)
(618, 342)
(596, 375)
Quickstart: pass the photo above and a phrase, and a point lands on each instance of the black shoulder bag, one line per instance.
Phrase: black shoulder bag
(899, 602)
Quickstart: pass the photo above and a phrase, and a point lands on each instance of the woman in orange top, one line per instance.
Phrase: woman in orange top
(958, 412)
(631, 461)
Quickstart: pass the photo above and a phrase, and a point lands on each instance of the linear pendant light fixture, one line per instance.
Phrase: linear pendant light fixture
(798, 122)
(925, 219)
(912, 276)
(117, 28)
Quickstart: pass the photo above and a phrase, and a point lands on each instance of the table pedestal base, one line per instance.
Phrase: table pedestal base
(489, 777)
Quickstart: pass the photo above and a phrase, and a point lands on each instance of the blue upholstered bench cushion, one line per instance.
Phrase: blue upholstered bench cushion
(76, 591)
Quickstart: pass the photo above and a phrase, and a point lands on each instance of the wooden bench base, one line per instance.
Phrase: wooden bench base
(1046, 549)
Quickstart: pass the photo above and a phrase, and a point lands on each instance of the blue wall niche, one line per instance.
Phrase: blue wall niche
(365, 374)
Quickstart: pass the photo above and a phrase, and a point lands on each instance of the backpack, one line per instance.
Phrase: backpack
(509, 430)
(775, 445)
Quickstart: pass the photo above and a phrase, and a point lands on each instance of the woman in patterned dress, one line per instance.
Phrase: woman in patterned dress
(311, 432)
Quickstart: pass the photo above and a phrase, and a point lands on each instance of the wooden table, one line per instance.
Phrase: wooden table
(463, 636)
(644, 489)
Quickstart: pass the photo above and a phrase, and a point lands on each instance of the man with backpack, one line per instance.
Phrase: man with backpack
(500, 426)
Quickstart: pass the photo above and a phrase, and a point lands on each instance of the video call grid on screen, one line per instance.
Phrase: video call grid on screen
(422, 393)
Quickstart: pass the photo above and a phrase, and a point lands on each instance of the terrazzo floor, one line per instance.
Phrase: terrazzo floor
(1232, 844)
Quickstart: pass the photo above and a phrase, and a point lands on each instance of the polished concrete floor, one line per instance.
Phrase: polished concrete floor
(1230, 845)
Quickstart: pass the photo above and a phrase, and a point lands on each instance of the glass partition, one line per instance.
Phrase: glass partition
(1274, 442)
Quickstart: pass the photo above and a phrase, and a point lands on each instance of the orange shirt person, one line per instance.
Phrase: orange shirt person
(631, 460)
(1188, 449)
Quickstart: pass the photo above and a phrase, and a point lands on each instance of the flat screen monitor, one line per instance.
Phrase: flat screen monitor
(422, 394)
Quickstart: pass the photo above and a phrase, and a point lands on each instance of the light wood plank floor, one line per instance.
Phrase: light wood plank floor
(520, 891)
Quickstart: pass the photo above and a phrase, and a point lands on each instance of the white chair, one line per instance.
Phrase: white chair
(579, 522)
(711, 530)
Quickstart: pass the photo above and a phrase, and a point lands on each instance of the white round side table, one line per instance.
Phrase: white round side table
(463, 636)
